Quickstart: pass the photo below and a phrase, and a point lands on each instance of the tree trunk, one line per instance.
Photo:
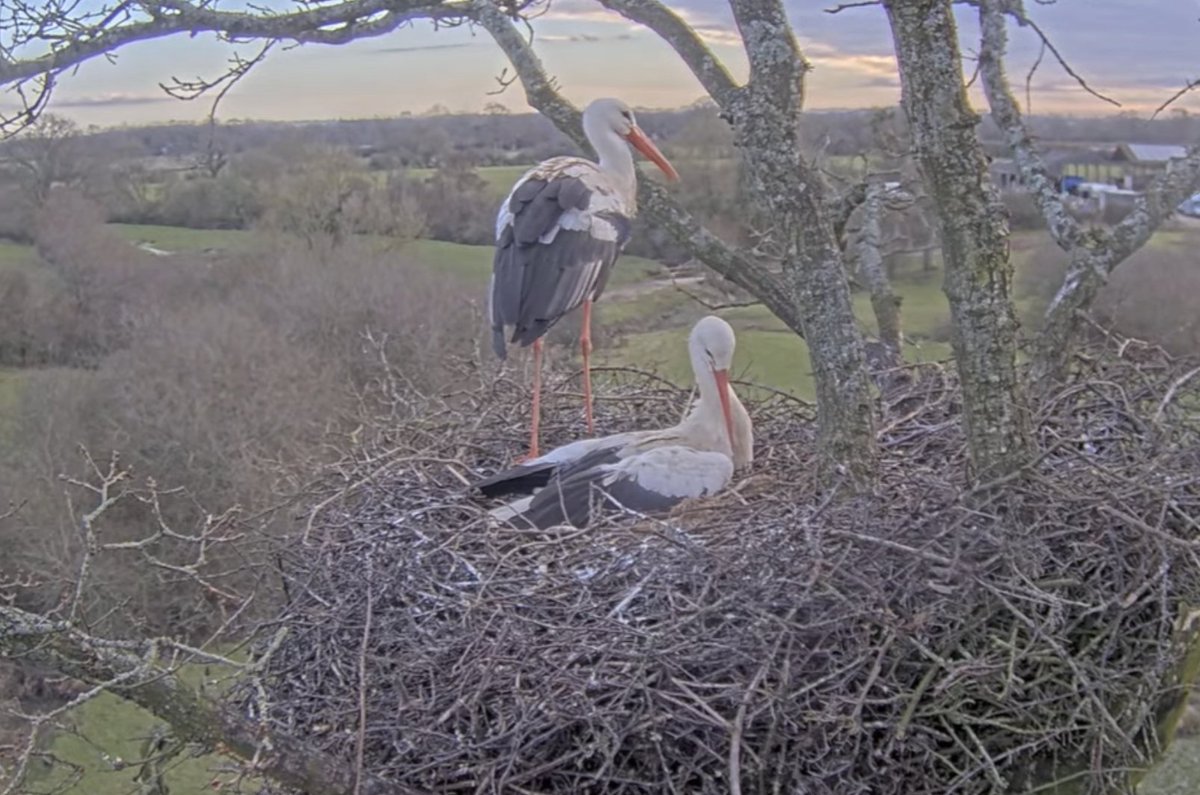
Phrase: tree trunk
(765, 120)
(1086, 274)
(974, 233)
(884, 301)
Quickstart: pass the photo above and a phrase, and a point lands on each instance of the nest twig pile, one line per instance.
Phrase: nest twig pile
(777, 638)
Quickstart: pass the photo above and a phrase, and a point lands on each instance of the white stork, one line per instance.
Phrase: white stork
(559, 232)
(644, 471)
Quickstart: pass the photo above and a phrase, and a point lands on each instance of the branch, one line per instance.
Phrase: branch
(1015, 9)
(1177, 181)
(777, 67)
(842, 207)
(135, 675)
(707, 68)
(652, 197)
(1063, 227)
(326, 24)
(1188, 86)
(712, 306)
(69, 36)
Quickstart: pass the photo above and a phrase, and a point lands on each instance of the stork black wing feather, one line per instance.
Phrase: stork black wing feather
(536, 283)
(578, 494)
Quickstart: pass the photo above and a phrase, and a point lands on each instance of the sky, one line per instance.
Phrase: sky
(1136, 51)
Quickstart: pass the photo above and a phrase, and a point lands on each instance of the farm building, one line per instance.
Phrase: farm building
(1128, 166)
(1140, 163)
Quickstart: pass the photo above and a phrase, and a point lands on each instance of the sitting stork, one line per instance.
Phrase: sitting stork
(644, 471)
(559, 232)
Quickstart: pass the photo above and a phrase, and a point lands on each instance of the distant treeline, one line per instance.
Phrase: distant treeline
(501, 138)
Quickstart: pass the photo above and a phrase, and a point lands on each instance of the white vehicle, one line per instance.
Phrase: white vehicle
(1190, 206)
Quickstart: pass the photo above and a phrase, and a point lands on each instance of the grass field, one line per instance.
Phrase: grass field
(16, 256)
(176, 238)
(108, 732)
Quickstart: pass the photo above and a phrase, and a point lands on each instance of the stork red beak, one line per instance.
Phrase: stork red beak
(640, 142)
(722, 378)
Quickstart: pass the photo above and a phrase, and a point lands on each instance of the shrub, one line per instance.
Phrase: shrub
(199, 202)
(1023, 212)
(230, 380)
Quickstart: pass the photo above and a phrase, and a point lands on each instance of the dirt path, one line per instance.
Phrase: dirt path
(641, 288)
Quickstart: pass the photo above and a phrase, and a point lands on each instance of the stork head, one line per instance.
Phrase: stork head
(612, 116)
(711, 345)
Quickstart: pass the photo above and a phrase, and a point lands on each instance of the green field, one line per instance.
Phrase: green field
(106, 743)
(16, 256)
(177, 238)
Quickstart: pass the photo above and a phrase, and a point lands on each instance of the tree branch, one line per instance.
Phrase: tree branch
(1063, 228)
(131, 671)
(707, 68)
(777, 66)
(71, 40)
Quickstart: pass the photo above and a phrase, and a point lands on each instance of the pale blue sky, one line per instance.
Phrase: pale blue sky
(1136, 50)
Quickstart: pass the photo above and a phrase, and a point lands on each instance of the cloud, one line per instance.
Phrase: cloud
(109, 100)
(579, 38)
(712, 28)
(426, 47)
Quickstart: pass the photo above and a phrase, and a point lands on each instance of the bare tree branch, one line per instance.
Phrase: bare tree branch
(1063, 227)
(884, 301)
(68, 37)
(707, 68)
(975, 235)
(1017, 10)
(712, 306)
(1189, 86)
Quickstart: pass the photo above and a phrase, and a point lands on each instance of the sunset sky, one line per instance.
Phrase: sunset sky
(1137, 51)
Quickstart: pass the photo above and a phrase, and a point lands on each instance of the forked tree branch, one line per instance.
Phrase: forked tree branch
(672, 29)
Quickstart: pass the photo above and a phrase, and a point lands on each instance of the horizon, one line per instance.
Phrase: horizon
(233, 121)
(593, 52)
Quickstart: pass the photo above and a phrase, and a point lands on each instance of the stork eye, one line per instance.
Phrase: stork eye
(628, 115)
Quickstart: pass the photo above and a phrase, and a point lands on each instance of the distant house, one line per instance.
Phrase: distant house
(1126, 166)
(1147, 153)
(1083, 162)
(1140, 163)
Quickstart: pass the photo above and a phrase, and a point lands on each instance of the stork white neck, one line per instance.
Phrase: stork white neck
(706, 380)
(615, 158)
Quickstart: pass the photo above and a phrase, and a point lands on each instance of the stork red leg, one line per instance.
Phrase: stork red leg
(537, 402)
(585, 346)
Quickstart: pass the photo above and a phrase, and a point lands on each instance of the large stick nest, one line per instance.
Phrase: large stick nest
(930, 638)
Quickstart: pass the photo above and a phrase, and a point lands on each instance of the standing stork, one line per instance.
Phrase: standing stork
(558, 233)
(645, 471)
